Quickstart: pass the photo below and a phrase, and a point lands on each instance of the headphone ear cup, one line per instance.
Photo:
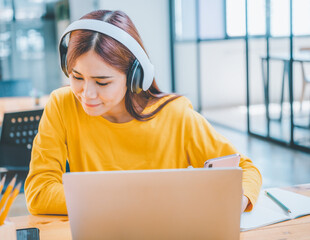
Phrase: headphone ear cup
(63, 49)
(63, 61)
(135, 77)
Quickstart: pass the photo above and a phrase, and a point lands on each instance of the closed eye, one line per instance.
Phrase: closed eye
(77, 78)
(102, 84)
(99, 83)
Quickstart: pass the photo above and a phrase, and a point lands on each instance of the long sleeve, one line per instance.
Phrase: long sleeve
(43, 187)
(205, 143)
(92, 143)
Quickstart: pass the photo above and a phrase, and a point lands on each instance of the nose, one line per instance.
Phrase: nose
(89, 90)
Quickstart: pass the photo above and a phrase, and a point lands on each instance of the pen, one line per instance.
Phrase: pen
(9, 203)
(2, 183)
(285, 208)
(7, 192)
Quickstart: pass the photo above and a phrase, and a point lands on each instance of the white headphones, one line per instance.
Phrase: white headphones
(141, 73)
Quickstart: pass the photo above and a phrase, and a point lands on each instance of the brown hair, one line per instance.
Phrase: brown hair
(116, 55)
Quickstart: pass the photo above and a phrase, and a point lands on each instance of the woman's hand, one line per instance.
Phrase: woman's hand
(245, 203)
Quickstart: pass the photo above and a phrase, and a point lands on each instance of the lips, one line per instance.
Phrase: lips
(91, 105)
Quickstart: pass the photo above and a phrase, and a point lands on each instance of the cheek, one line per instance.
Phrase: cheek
(113, 92)
(76, 86)
(121, 91)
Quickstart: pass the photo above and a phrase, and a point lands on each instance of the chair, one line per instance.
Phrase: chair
(18, 132)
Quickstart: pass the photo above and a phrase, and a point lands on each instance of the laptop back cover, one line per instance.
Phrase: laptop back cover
(155, 204)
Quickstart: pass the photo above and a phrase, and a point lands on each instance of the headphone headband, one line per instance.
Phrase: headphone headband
(119, 35)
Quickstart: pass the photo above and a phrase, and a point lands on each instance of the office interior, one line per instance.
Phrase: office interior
(244, 64)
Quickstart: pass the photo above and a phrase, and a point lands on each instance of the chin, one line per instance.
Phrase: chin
(92, 112)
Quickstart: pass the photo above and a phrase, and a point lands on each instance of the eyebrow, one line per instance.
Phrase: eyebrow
(98, 77)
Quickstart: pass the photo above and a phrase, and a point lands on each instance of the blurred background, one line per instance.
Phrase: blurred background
(244, 64)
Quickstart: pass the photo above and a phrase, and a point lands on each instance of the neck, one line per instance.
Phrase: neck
(123, 118)
(119, 114)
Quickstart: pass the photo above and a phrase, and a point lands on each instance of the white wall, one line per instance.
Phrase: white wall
(186, 71)
(78, 8)
(223, 73)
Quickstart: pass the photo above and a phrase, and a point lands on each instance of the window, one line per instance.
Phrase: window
(6, 11)
(235, 17)
(212, 17)
(185, 20)
(256, 17)
(301, 17)
(280, 17)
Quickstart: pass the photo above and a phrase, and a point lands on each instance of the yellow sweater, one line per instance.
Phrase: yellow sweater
(176, 136)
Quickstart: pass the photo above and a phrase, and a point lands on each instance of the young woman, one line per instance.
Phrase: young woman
(106, 120)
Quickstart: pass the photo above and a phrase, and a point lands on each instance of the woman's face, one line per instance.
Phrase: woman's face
(99, 87)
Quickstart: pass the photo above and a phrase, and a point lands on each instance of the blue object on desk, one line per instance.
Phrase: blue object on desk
(28, 234)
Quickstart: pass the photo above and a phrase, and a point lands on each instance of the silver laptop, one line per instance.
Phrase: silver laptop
(155, 204)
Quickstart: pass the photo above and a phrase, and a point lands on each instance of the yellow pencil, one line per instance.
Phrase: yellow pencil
(7, 192)
(2, 183)
(9, 203)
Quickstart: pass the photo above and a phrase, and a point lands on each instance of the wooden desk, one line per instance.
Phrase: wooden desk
(57, 227)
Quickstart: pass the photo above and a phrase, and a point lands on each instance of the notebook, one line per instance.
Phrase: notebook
(155, 204)
(267, 212)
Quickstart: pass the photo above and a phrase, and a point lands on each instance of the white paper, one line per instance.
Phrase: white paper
(267, 212)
